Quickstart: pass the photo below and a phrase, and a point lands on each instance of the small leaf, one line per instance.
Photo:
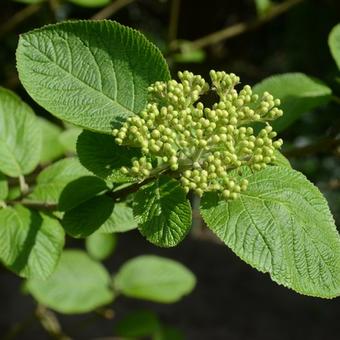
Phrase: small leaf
(163, 212)
(78, 285)
(20, 136)
(3, 187)
(88, 217)
(120, 221)
(68, 139)
(154, 278)
(93, 74)
(90, 3)
(51, 148)
(79, 191)
(298, 93)
(101, 246)
(334, 44)
(30, 242)
(282, 226)
(102, 156)
(139, 324)
(53, 180)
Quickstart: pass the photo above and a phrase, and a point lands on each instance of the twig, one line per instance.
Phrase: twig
(34, 204)
(18, 18)
(111, 9)
(24, 188)
(50, 323)
(241, 27)
(174, 16)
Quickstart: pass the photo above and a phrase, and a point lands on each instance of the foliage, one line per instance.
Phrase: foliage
(143, 142)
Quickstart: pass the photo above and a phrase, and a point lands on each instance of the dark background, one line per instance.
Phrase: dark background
(231, 300)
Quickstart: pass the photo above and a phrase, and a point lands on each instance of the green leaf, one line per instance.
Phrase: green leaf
(169, 333)
(93, 74)
(51, 148)
(282, 226)
(68, 139)
(88, 217)
(79, 191)
(163, 212)
(298, 93)
(120, 221)
(101, 246)
(281, 160)
(30, 242)
(53, 180)
(139, 324)
(263, 6)
(20, 136)
(334, 44)
(3, 187)
(102, 156)
(154, 278)
(90, 3)
(78, 285)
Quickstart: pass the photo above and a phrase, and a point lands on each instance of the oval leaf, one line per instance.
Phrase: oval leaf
(282, 226)
(120, 221)
(101, 155)
(163, 212)
(51, 147)
(20, 136)
(93, 74)
(52, 181)
(101, 246)
(30, 242)
(154, 278)
(78, 285)
(298, 93)
(88, 217)
(334, 44)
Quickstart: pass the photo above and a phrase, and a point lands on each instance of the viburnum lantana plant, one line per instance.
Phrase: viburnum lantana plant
(147, 141)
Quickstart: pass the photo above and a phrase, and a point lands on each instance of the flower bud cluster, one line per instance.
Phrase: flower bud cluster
(202, 145)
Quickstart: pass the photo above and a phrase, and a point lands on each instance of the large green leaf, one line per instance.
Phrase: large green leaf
(20, 136)
(3, 187)
(88, 217)
(79, 191)
(298, 93)
(120, 221)
(154, 278)
(163, 212)
(78, 285)
(334, 44)
(282, 226)
(102, 156)
(93, 74)
(101, 246)
(30, 242)
(53, 180)
(51, 147)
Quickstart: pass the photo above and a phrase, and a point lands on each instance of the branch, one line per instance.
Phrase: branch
(174, 16)
(242, 27)
(18, 18)
(111, 9)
